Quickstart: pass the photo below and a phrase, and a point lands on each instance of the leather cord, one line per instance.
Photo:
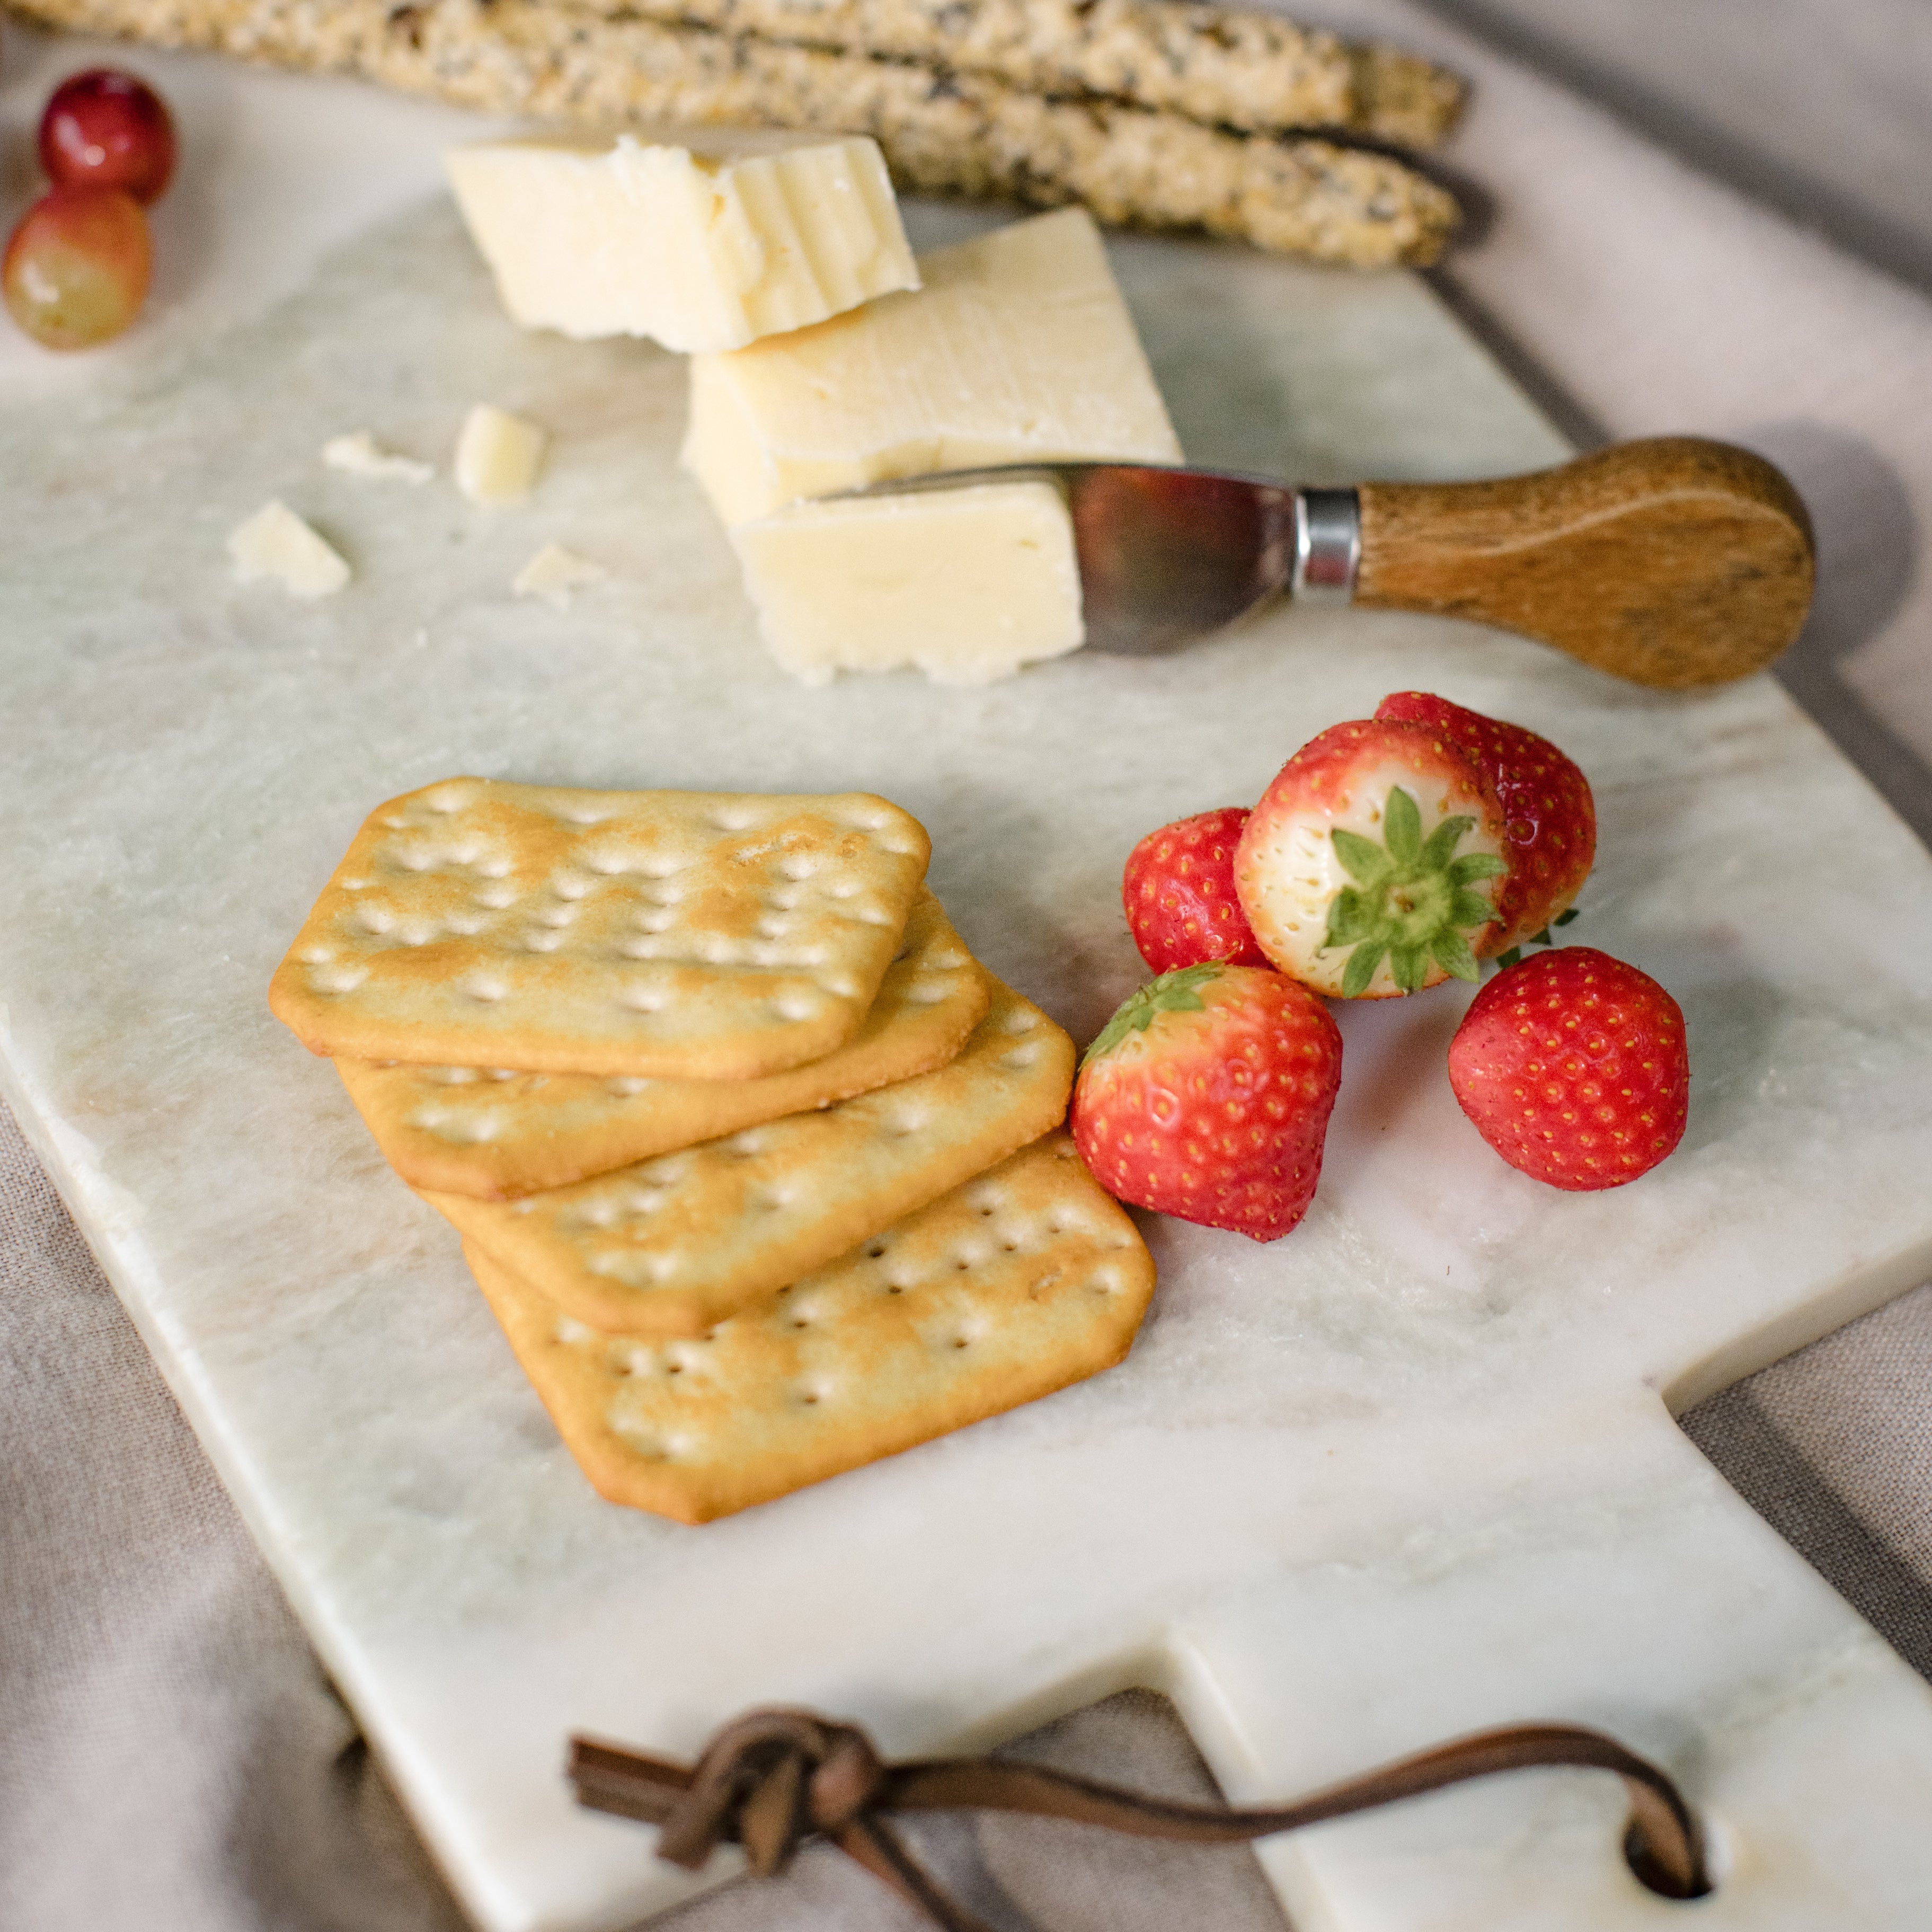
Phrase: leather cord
(774, 1778)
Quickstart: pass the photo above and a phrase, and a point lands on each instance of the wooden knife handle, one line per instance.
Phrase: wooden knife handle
(1674, 562)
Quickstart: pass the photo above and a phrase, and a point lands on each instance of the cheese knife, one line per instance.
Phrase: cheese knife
(1674, 562)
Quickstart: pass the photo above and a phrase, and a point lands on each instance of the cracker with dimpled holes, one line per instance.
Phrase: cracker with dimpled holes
(1023, 1280)
(494, 1133)
(672, 934)
(669, 1246)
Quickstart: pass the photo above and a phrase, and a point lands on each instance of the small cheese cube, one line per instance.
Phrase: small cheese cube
(497, 455)
(1018, 349)
(553, 573)
(968, 584)
(275, 542)
(703, 244)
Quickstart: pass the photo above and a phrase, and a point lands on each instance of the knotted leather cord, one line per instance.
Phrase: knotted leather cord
(776, 1777)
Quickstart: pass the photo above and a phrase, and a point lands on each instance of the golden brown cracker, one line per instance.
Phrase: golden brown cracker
(670, 1245)
(1027, 1278)
(496, 1134)
(669, 934)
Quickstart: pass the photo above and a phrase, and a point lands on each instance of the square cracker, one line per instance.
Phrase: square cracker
(670, 1245)
(495, 1133)
(1026, 1279)
(686, 935)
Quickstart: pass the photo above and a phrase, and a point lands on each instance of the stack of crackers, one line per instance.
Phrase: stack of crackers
(760, 1170)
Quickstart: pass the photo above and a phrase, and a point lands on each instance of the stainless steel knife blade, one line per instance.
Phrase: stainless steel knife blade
(1169, 554)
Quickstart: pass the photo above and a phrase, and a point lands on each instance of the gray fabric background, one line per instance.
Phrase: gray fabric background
(1653, 171)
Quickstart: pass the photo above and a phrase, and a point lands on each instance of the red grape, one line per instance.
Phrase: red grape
(75, 269)
(104, 129)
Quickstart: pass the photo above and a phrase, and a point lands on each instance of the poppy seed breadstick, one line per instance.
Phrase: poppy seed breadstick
(1219, 65)
(953, 133)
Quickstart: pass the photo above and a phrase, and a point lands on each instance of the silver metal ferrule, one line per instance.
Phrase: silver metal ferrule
(1328, 546)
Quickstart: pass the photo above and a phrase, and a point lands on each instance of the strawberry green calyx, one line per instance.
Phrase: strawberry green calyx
(1542, 938)
(1411, 902)
(1171, 993)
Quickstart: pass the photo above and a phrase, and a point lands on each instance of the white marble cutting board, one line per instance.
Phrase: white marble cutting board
(1408, 1472)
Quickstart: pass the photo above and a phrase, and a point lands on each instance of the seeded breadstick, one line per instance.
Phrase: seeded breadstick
(958, 133)
(1249, 70)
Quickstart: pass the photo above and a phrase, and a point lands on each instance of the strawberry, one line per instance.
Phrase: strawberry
(1207, 1095)
(1179, 892)
(1549, 820)
(1365, 868)
(1572, 1066)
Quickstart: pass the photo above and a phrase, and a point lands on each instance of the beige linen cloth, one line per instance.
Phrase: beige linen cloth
(172, 1758)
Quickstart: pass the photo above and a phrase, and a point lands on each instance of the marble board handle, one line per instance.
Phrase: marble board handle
(1674, 562)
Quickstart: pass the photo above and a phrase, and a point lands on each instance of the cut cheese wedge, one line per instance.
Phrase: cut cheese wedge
(967, 584)
(1017, 348)
(706, 242)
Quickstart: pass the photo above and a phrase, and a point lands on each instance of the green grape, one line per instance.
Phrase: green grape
(75, 270)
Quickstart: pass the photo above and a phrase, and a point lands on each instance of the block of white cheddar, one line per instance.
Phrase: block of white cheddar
(703, 242)
(1017, 348)
(968, 583)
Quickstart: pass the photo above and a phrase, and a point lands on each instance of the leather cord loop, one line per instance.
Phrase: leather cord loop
(774, 1778)
(768, 1782)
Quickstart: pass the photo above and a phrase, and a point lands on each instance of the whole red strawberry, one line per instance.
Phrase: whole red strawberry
(1574, 1067)
(1207, 1096)
(1366, 869)
(1179, 892)
(1549, 820)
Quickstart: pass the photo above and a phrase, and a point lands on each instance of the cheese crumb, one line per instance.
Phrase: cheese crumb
(553, 573)
(498, 455)
(275, 542)
(358, 454)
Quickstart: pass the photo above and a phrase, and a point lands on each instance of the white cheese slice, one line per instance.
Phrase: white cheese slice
(967, 584)
(358, 454)
(707, 241)
(275, 542)
(1017, 348)
(497, 455)
(553, 573)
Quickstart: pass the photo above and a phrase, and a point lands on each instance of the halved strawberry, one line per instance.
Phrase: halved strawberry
(1207, 1096)
(1550, 819)
(1366, 869)
(1574, 1067)
(1179, 892)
